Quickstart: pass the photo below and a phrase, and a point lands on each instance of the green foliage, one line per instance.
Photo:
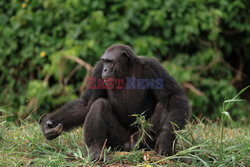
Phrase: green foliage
(194, 36)
(143, 125)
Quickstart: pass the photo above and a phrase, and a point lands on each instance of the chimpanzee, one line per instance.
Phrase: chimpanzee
(106, 111)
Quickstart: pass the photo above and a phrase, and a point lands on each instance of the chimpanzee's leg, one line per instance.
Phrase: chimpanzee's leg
(165, 121)
(101, 124)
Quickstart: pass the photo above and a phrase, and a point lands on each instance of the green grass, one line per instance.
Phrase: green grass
(25, 146)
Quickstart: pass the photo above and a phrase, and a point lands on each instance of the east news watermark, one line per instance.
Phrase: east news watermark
(131, 83)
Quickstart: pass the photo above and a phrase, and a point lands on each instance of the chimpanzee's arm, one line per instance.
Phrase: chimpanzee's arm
(73, 113)
(168, 92)
(175, 109)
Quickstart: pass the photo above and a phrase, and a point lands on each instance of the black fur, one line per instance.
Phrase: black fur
(106, 114)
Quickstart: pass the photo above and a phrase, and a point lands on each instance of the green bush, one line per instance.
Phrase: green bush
(192, 38)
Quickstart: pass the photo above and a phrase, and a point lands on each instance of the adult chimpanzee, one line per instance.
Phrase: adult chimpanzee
(106, 113)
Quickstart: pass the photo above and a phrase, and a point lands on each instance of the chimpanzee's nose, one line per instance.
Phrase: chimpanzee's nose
(49, 123)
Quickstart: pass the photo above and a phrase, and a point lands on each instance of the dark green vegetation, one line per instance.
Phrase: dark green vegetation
(203, 44)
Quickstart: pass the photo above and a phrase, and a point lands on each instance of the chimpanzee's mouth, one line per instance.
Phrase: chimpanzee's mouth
(107, 80)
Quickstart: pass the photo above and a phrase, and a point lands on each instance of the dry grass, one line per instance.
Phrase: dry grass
(200, 142)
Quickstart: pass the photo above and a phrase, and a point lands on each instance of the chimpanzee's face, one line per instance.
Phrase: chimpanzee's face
(108, 69)
(114, 62)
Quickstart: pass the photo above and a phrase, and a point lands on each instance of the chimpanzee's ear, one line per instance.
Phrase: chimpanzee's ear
(41, 118)
(125, 54)
(124, 58)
